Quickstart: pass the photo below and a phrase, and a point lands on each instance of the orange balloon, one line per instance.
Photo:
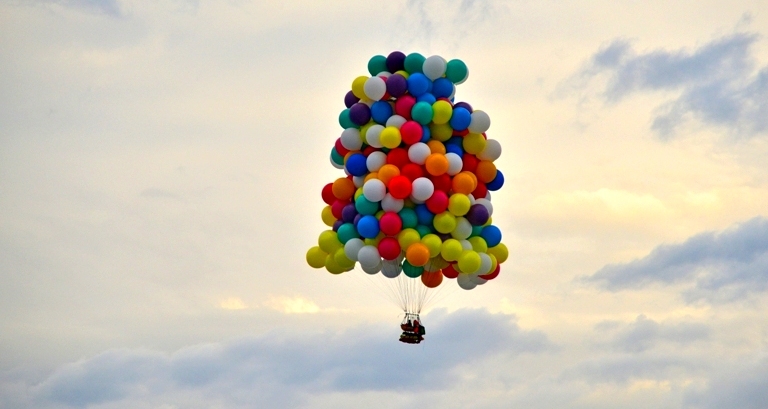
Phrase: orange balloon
(417, 254)
(436, 146)
(437, 164)
(343, 188)
(463, 183)
(387, 172)
(371, 175)
(486, 171)
(433, 279)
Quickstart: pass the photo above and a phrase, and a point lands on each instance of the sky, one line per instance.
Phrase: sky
(161, 165)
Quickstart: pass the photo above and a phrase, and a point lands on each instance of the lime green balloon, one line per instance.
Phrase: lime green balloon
(499, 251)
(316, 257)
(435, 264)
(444, 222)
(456, 71)
(433, 243)
(329, 242)
(459, 204)
(406, 237)
(469, 261)
(442, 111)
(478, 244)
(441, 132)
(342, 260)
(473, 143)
(451, 250)
(332, 266)
(390, 137)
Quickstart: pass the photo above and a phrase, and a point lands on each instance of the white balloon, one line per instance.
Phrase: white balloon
(454, 163)
(375, 88)
(390, 204)
(418, 153)
(463, 229)
(358, 180)
(374, 190)
(488, 196)
(480, 122)
(352, 247)
(434, 67)
(385, 74)
(487, 204)
(375, 161)
(368, 256)
(391, 268)
(477, 280)
(471, 199)
(372, 269)
(396, 120)
(335, 165)
(491, 152)
(350, 139)
(485, 264)
(465, 281)
(373, 135)
(465, 244)
(423, 189)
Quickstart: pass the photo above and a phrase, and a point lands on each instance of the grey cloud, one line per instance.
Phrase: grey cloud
(743, 388)
(643, 334)
(108, 7)
(361, 359)
(721, 266)
(718, 82)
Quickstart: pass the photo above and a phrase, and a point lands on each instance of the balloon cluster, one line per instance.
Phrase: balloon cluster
(419, 170)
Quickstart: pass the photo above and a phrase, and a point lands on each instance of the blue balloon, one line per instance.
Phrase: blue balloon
(460, 119)
(426, 134)
(442, 88)
(424, 215)
(453, 148)
(368, 226)
(418, 84)
(426, 97)
(381, 111)
(492, 235)
(497, 182)
(356, 165)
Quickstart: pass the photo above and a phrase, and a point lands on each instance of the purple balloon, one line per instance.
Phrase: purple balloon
(357, 219)
(359, 114)
(463, 105)
(337, 224)
(444, 236)
(477, 215)
(395, 61)
(350, 99)
(348, 213)
(396, 85)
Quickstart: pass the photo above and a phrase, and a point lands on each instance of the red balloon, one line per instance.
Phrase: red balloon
(412, 171)
(389, 248)
(450, 272)
(398, 157)
(337, 207)
(411, 132)
(480, 191)
(470, 162)
(327, 194)
(461, 133)
(493, 274)
(403, 106)
(442, 182)
(368, 150)
(390, 223)
(400, 187)
(438, 203)
(340, 148)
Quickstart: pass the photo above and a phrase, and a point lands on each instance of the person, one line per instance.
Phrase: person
(413, 332)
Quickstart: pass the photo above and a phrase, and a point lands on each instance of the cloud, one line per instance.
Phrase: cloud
(644, 334)
(107, 7)
(717, 83)
(744, 387)
(720, 266)
(281, 369)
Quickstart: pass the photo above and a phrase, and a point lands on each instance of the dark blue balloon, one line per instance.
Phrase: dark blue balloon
(426, 97)
(368, 226)
(336, 225)
(348, 213)
(356, 165)
(492, 235)
(454, 148)
(497, 182)
(395, 61)
(442, 88)
(460, 119)
(381, 111)
(360, 114)
(464, 105)
(424, 215)
(418, 84)
(397, 85)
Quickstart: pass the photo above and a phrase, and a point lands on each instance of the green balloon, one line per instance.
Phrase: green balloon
(411, 270)
(377, 64)
(422, 112)
(345, 121)
(408, 216)
(338, 159)
(456, 71)
(414, 62)
(347, 232)
(365, 206)
(423, 230)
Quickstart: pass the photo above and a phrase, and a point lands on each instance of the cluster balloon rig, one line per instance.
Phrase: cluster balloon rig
(416, 198)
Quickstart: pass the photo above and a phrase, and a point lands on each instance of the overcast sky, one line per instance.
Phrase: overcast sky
(161, 165)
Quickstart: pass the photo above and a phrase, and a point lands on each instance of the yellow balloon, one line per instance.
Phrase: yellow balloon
(451, 250)
(442, 111)
(358, 86)
(433, 243)
(329, 241)
(342, 260)
(441, 132)
(500, 251)
(444, 222)
(494, 262)
(332, 266)
(473, 143)
(478, 244)
(316, 257)
(327, 216)
(459, 204)
(406, 237)
(469, 261)
(390, 137)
